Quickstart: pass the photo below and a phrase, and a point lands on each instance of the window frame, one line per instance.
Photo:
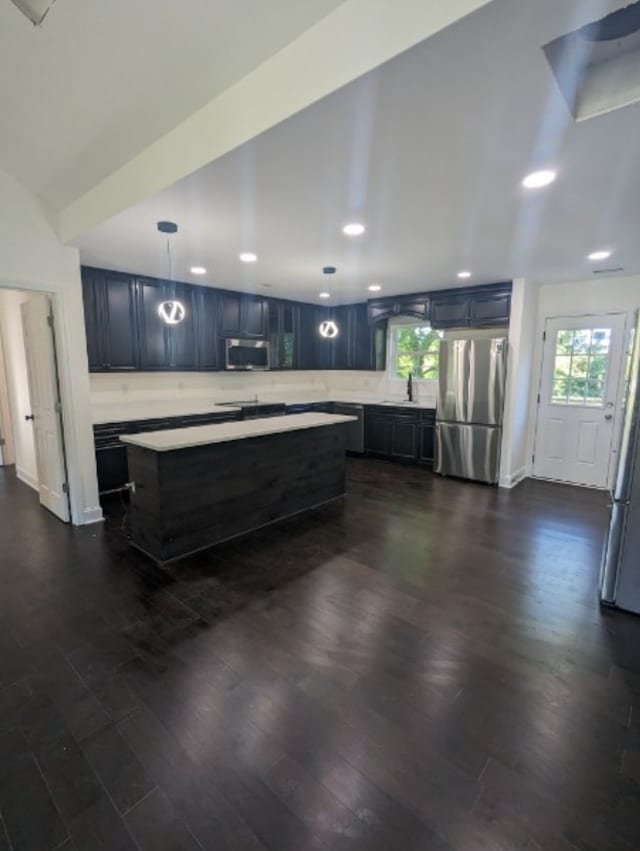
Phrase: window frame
(406, 322)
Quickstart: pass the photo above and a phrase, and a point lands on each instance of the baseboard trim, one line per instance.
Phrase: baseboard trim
(89, 516)
(27, 478)
(514, 479)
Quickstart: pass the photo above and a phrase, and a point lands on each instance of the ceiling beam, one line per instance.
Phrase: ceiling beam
(355, 38)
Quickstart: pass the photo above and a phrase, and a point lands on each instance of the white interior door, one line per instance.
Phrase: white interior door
(45, 405)
(578, 403)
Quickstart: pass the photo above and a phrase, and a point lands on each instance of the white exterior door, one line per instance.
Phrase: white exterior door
(578, 403)
(45, 407)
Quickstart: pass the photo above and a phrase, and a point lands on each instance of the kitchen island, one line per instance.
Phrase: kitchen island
(196, 487)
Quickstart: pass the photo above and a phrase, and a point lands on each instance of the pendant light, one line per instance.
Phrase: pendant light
(172, 311)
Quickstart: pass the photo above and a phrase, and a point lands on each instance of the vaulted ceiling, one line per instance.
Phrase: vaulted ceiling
(428, 151)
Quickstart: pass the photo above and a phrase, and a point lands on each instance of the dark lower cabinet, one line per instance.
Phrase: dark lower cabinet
(404, 438)
(111, 454)
(377, 433)
(400, 434)
(426, 442)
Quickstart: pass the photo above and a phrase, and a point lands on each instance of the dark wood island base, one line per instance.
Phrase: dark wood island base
(188, 499)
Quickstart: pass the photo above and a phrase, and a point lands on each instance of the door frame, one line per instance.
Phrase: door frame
(617, 425)
(70, 348)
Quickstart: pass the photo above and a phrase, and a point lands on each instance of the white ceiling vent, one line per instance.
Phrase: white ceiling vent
(598, 66)
(35, 10)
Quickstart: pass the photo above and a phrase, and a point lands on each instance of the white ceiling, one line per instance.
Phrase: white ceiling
(102, 79)
(428, 151)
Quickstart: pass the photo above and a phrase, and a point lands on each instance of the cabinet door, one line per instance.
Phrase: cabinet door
(490, 310)
(182, 338)
(450, 311)
(324, 357)
(306, 337)
(120, 322)
(404, 438)
(154, 348)
(341, 345)
(254, 317)
(376, 434)
(92, 297)
(379, 346)
(208, 338)
(289, 323)
(230, 315)
(426, 443)
(361, 338)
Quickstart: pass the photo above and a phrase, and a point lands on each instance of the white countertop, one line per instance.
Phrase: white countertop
(184, 438)
(151, 410)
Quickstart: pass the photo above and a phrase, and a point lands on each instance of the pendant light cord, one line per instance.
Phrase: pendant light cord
(169, 257)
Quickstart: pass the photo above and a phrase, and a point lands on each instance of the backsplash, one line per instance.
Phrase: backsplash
(134, 388)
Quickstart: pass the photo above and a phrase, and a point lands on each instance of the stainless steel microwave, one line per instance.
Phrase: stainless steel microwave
(250, 355)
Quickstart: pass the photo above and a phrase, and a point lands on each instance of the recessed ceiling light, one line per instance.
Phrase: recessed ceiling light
(464, 274)
(353, 229)
(375, 288)
(324, 295)
(537, 179)
(248, 257)
(198, 270)
(599, 255)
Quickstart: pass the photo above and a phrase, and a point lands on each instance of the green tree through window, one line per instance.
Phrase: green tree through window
(417, 351)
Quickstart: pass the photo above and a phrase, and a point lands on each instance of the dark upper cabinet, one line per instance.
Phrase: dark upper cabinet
(92, 296)
(284, 327)
(386, 308)
(451, 311)
(254, 316)
(165, 346)
(307, 336)
(243, 315)
(474, 307)
(120, 322)
(154, 345)
(490, 309)
(325, 347)
(182, 339)
(110, 320)
(230, 314)
(207, 310)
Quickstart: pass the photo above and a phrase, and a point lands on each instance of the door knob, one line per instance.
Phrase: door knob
(608, 416)
(29, 417)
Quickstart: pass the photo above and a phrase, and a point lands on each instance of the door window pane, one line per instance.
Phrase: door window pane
(580, 366)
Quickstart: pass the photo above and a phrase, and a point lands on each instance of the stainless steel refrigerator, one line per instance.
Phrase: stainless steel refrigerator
(620, 574)
(470, 406)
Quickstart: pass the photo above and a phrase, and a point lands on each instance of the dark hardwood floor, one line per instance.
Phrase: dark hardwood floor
(424, 666)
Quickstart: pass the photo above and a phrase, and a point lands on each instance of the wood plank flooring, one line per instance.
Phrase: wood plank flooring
(422, 666)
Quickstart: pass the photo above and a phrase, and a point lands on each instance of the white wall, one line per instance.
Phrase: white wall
(601, 295)
(17, 384)
(520, 379)
(7, 450)
(32, 258)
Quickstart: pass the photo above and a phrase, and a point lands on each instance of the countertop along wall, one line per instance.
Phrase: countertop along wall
(115, 395)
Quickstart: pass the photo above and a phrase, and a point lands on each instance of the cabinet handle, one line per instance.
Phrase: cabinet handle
(29, 417)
